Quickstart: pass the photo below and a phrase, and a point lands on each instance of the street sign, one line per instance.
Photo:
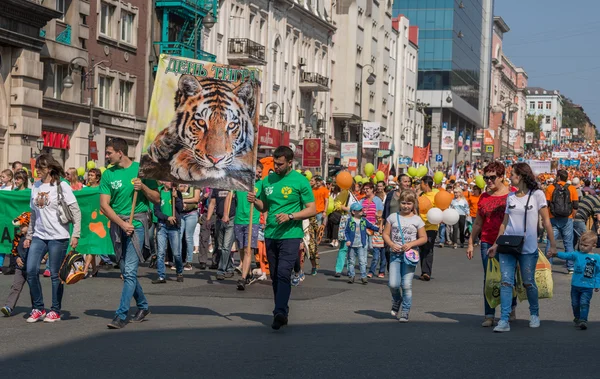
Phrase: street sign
(489, 148)
(466, 147)
(445, 125)
(438, 157)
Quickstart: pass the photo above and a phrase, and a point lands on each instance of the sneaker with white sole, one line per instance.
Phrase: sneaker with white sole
(36, 315)
(187, 267)
(6, 311)
(403, 317)
(295, 280)
(503, 326)
(395, 308)
(52, 317)
(534, 321)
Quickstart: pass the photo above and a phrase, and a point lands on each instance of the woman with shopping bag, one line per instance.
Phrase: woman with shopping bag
(517, 242)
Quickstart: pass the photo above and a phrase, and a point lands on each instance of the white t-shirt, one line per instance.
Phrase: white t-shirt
(44, 202)
(6, 187)
(515, 208)
(410, 226)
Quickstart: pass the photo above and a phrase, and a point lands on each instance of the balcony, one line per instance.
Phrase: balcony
(245, 52)
(180, 49)
(311, 81)
(189, 7)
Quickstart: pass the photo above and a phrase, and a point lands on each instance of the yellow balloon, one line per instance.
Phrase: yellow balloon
(91, 165)
(80, 171)
(308, 174)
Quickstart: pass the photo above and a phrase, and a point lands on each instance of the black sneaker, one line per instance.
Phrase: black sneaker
(229, 274)
(140, 315)
(364, 280)
(241, 284)
(117, 323)
(202, 266)
(582, 325)
(213, 267)
(279, 320)
(337, 274)
(220, 277)
(351, 280)
(159, 281)
(180, 278)
(153, 261)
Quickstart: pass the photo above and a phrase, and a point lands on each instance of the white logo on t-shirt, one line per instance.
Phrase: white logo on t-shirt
(116, 184)
(268, 191)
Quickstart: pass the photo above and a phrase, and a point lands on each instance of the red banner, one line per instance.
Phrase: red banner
(420, 154)
(385, 168)
(269, 137)
(311, 152)
(56, 140)
(93, 150)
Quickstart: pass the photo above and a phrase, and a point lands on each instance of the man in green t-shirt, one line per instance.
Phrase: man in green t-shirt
(117, 188)
(288, 198)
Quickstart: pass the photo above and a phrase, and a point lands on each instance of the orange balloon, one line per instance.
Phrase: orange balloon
(344, 180)
(424, 205)
(443, 199)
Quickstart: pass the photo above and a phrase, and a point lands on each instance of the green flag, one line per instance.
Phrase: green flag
(95, 236)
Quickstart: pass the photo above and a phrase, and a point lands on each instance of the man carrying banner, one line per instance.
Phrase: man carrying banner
(117, 188)
(288, 199)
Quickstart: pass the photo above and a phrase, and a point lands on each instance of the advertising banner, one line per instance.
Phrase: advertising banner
(311, 152)
(488, 138)
(476, 148)
(529, 137)
(371, 135)
(348, 150)
(448, 140)
(512, 136)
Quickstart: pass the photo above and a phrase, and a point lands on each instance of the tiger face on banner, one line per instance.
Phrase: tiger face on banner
(202, 124)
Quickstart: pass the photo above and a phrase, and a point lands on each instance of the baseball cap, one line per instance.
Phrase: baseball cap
(318, 178)
(356, 207)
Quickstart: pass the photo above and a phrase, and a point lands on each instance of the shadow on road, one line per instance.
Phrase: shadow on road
(160, 309)
(375, 314)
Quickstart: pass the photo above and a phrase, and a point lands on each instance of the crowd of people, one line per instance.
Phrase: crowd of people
(270, 231)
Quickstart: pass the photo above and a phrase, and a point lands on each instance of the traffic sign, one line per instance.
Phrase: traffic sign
(445, 125)
(438, 157)
(466, 147)
(489, 148)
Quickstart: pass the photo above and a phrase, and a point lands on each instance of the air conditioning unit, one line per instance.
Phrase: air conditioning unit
(301, 113)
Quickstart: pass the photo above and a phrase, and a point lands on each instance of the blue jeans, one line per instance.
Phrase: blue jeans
(225, 236)
(489, 311)
(579, 228)
(580, 301)
(342, 257)
(378, 257)
(362, 261)
(442, 233)
(563, 227)
(129, 267)
(319, 217)
(188, 227)
(401, 275)
(57, 250)
(172, 236)
(527, 263)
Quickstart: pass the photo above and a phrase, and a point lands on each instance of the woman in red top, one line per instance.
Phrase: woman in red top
(491, 208)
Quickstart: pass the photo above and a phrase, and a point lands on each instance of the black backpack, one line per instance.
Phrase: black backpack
(561, 204)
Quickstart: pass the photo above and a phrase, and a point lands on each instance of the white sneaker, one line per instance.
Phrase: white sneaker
(534, 321)
(503, 326)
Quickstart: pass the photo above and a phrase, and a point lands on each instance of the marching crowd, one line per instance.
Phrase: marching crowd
(287, 217)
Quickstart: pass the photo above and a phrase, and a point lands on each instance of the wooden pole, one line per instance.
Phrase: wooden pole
(135, 196)
(247, 260)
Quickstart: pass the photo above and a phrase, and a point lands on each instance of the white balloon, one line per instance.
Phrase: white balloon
(450, 216)
(435, 216)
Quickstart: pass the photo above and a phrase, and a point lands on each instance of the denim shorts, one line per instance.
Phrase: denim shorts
(241, 236)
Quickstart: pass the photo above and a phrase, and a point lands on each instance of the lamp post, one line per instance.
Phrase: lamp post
(89, 75)
(510, 108)
(39, 143)
(370, 80)
(418, 107)
(272, 108)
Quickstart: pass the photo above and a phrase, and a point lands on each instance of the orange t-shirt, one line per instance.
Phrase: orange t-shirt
(473, 200)
(550, 190)
(321, 194)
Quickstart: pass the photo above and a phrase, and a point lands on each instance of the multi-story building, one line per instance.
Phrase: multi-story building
(508, 107)
(408, 130)
(290, 42)
(548, 104)
(454, 66)
(364, 71)
(588, 132)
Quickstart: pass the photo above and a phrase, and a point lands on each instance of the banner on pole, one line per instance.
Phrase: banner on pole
(448, 139)
(476, 148)
(512, 136)
(488, 138)
(529, 137)
(311, 152)
(420, 154)
(202, 124)
(371, 135)
(575, 131)
(348, 150)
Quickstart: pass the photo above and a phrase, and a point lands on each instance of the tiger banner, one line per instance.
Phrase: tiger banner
(202, 124)
(95, 238)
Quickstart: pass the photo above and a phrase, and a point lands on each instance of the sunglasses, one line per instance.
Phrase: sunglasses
(491, 177)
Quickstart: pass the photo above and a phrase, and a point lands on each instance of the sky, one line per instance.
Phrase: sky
(558, 45)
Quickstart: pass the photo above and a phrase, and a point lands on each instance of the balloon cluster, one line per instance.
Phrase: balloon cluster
(418, 172)
(90, 165)
(442, 212)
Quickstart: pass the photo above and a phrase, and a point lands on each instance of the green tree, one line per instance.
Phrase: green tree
(532, 124)
(573, 116)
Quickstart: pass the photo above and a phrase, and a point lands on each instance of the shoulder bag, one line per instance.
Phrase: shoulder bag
(513, 244)
(411, 257)
(65, 216)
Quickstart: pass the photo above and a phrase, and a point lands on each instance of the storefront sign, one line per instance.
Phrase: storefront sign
(56, 140)
(269, 137)
(311, 152)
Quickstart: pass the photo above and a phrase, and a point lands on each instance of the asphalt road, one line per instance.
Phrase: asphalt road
(208, 329)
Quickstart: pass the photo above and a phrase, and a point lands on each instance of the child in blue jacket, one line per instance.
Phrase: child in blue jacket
(356, 240)
(585, 278)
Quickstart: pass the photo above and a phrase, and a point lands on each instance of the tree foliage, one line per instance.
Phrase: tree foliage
(532, 124)
(573, 116)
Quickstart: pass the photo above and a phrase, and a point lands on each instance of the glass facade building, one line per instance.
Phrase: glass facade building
(450, 44)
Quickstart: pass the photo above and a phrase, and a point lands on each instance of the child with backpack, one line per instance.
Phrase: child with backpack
(585, 278)
(356, 241)
(21, 269)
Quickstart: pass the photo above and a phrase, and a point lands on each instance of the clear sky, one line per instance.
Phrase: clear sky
(558, 45)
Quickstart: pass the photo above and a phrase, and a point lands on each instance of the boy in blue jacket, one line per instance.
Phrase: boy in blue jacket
(585, 278)
(356, 240)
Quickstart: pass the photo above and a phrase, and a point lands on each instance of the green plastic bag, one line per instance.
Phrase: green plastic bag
(492, 282)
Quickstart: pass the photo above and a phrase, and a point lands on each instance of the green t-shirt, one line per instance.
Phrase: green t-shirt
(285, 194)
(166, 203)
(117, 182)
(242, 210)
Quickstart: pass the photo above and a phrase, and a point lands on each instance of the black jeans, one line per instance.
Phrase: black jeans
(427, 253)
(459, 229)
(206, 229)
(282, 255)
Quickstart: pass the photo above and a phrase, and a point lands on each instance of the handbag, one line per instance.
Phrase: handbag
(65, 216)
(411, 257)
(513, 244)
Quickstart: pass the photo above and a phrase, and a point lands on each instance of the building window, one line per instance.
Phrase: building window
(107, 12)
(547, 119)
(125, 92)
(127, 27)
(548, 105)
(275, 62)
(59, 75)
(104, 89)
(532, 105)
(60, 6)
(540, 105)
